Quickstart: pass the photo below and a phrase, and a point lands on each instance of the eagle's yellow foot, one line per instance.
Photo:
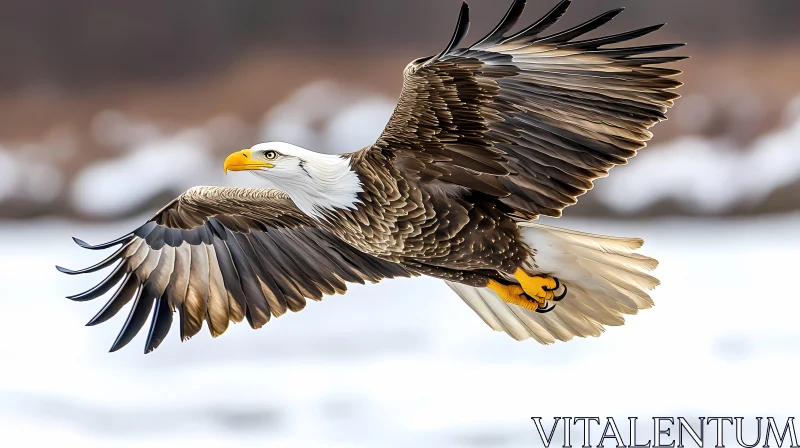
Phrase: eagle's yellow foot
(516, 295)
(540, 288)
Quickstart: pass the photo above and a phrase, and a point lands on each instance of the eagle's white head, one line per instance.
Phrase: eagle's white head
(314, 181)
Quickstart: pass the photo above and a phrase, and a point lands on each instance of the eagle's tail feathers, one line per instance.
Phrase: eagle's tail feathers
(604, 277)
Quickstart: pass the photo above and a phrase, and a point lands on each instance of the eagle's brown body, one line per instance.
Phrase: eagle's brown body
(426, 228)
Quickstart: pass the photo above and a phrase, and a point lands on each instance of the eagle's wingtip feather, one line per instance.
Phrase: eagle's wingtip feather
(64, 270)
(80, 242)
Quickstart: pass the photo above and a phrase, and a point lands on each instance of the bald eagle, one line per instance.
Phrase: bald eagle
(484, 139)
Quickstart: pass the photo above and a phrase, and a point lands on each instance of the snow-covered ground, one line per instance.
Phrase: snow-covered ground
(402, 363)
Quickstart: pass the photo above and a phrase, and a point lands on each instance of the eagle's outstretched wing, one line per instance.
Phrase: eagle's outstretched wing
(224, 254)
(529, 119)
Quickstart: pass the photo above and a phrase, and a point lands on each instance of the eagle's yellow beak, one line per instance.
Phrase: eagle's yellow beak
(243, 160)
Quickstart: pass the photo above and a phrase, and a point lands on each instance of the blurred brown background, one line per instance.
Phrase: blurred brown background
(72, 68)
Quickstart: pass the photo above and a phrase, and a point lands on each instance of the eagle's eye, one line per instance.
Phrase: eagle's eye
(270, 155)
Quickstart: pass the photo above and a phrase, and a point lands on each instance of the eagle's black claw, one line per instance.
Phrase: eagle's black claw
(558, 284)
(563, 294)
(555, 288)
(547, 309)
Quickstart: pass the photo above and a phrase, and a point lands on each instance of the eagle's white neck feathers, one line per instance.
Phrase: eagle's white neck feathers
(315, 182)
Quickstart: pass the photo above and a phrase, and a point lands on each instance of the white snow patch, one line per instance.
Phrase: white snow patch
(9, 173)
(115, 129)
(115, 186)
(29, 171)
(707, 174)
(153, 161)
(328, 117)
(358, 125)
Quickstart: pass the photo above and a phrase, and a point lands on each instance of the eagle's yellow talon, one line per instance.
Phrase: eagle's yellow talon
(538, 287)
(516, 295)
